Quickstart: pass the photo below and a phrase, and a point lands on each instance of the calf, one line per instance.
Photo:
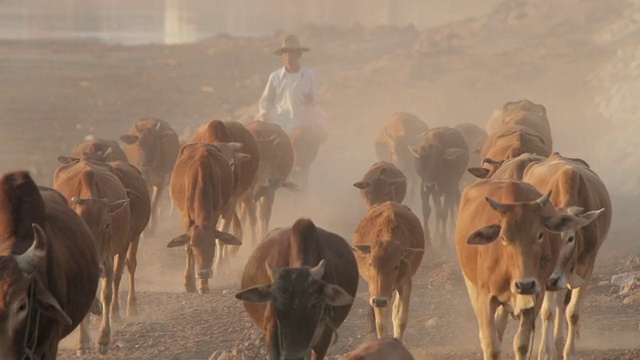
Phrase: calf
(382, 182)
(389, 244)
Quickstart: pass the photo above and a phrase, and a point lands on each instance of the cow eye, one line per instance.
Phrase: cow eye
(397, 267)
(22, 307)
(570, 239)
(540, 236)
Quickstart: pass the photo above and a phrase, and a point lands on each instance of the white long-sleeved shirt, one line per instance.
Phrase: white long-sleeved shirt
(281, 101)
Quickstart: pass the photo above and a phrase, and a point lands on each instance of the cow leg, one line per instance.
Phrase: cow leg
(549, 313)
(440, 218)
(232, 251)
(380, 314)
(249, 213)
(485, 312)
(401, 308)
(573, 315)
(267, 208)
(119, 261)
(106, 294)
(560, 329)
(84, 340)
(501, 318)
(426, 213)
(155, 211)
(132, 264)
(189, 273)
(521, 342)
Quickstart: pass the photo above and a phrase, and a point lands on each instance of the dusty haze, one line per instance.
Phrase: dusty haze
(73, 69)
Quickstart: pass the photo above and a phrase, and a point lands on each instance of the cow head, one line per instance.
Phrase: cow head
(399, 146)
(150, 143)
(298, 301)
(231, 152)
(200, 245)
(97, 213)
(22, 292)
(382, 264)
(565, 273)
(522, 229)
(431, 159)
(380, 189)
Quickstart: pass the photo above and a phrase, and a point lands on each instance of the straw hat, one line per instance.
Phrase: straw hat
(290, 43)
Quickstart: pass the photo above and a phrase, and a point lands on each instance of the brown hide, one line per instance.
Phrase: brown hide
(506, 252)
(512, 141)
(303, 245)
(573, 184)
(201, 188)
(524, 113)
(389, 246)
(232, 131)
(440, 160)
(397, 133)
(99, 150)
(512, 169)
(380, 349)
(382, 182)
(475, 138)
(67, 274)
(152, 146)
(140, 203)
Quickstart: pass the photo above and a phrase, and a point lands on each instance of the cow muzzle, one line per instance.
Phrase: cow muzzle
(526, 286)
(557, 281)
(204, 274)
(378, 301)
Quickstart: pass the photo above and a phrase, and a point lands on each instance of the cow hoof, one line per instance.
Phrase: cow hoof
(203, 291)
(103, 349)
(132, 312)
(190, 289)
(80, 352)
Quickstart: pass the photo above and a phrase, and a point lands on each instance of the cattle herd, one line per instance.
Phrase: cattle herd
(526, 233)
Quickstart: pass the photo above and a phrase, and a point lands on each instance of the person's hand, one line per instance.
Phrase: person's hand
(307, 98)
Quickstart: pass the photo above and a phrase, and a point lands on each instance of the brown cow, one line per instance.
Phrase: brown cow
(99, 150)
(276, 154)
(201, 187)
(380, 349)
(507, 276)
(306, 143)
(388, 243)
(382, 182)
(475, 137)
(575, 188)
(512, 169)
(397, 133)
(101, 200)
(524, 113)
(48, 269)
(512, 141)
(244, 164)
(153, 146)
(298, 287)
(440, 160)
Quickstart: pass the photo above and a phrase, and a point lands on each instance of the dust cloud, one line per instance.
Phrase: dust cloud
(72, 69)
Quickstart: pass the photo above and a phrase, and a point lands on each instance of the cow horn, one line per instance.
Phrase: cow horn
(137, 127)
(492, 161)
(78, 200)
(158, 125)
(494, 204)
(28, 261)
(318, 271)
(544, 199)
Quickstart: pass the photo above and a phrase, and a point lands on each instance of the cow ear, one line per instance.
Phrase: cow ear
(239, 158)
(408, 253)
(290, 186)
(334, 295)
(588, 217)
(562, 222)
(226, 238)
(66, 160)
(167, 134)
(453, 153)
(117, 205)
(361, 249)
(257, 294)
(48, 305)
(179, 241)
(484, 235)
(479, 172)
(234, 146)
(129, 139)
(575, 281)
(414, 151)
(362, 185)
